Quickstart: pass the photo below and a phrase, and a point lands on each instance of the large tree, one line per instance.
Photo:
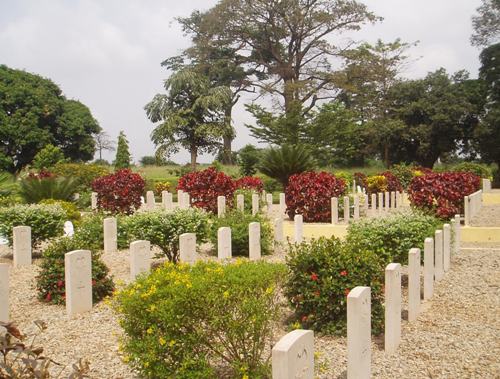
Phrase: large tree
(103, 142)
(190, 115)
(34, 113)
(122, 159)
(486, 24)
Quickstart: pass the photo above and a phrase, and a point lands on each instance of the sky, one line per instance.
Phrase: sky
(107, 53)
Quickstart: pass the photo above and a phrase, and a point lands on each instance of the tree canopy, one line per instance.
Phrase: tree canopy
(486, 24)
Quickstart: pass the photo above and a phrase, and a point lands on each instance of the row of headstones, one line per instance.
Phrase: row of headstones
(472, 206)
(293, 355)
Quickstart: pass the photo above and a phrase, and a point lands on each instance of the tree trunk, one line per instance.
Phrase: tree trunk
(227, 156)
(194, 155)
(387, 159)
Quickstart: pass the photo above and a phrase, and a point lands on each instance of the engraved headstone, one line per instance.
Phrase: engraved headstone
(78, 280)
(293, 356)
(392, 322)
(359, 333)
(428, 268)
(298, 227)
(4, 292)
(140, 258)
(335, 210)
(347, 210)
(413, 284)
(254, 241)
(224, 250)
(150, 200)
(255, 203)
(438, 255)
(166, 200)
(187, 248)
(22, 245)
(221, 206)
(240, 202)
(110, 235)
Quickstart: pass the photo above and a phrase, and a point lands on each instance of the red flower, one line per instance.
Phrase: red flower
(346, 291)
(343, 273)
(60, 283)
(48, 297)
(314, 276)
(304, 318)
(93, 282)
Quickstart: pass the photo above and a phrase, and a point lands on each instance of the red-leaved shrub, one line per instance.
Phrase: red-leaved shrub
(393, 183)
(204, 187)
(309, 194)
(119, 192)
(442, 193)
(250, 183)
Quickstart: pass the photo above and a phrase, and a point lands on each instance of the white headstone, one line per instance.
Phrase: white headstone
(282, 204)
(254, 241)
(142, 200)
(221, 206)
(347, 210)
(186, 200)
(150, 199)
(446, 247)
(140, 258)
(359, 333)
(380, 207)
(240, 202)
(4, 292)
(335, 209)
(393, 200)
(466, 211)
(255, 203)
(93, 200)
(457, 234)
(386, 201)
(269, 202)
(486, 185)
(298, 221)
(392, 333)
(166, 200)
(365, 205)
(69, 229)
(224, 249)
(438, 255)
(413, 284)
(293, 356)
(187, 248)
(356, 207)
(278, 234)
(428, 268)
(180, 198)
(374, 204)
(110, 235)
(78, 280)
(22, 245)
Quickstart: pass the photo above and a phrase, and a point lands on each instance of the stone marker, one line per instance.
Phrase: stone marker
(264, 194)
(78, 280)
(166, 200)
(21, 245)
(457, 234)
(93, 200)
(335, 210)
(466, 211)
(150, 200)
(240, 202)
(4, 292)
(446, 247)
(438, 255)
(186, 200)
(359, 333)
(374, 204)
(180, 198)
(282, 204)
(221, 206)
(366, 205)
(293, 356)
(392, 286)
(110, 235)
(224, 250)
(187, 248)
(347, 210)
(140, 258)
(254, 241)
(298, 226)
(356, 207)
(380, 202)
(393, 200)
(278, 234)
(269, 202)
(486, 185)
(428, 268)
(413, 284)
(386, 201)
(69, 229)
(143, 201)
(255, 204)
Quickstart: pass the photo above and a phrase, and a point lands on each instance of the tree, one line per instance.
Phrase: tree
(122, 159)
(248, 158)
(190, 116)
(48, 157)
(34, 113)
(148, 160)
(486, 24)
(103, 142)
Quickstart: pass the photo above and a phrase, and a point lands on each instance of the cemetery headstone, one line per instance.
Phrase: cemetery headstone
(93, 200)
(166, 199)
(221, 206)
(428, 268)
(335, 210)
(4, 292)
(240, 202)
(413, 284)
(110, 235)
(255, 204)
(359, 333)
(224, 249)
(21, 245)
(298, 225)
(69, 229)
(187, 248)
(140, 258)
(254, 241)
(347, 210)
(438, 255)
(78, 280)
(293, 356)
(392, 286)
(446, 247)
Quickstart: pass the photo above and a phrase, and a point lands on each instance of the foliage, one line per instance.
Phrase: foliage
(376, 184)
(119, 192)
(21, 359)
(34, 190)
(83, 174)
(393, 183)
(404, 173)
(250, 183)
(148, 160)
(90, 229)
(46, 221)
(248, 158)
(205, 186)
(360, 179)
(238, 222)
(322, 273)
(122, 159)
(72, 212)
(163, 229)
(34, 113)
(346, 176)
(281, 163)
(443, 193)
(195, 321)
(8, 189)
(478, 169)
(310, 193)
(161, 186)
(247, 195)
(50, 280)
(486, 23)
(48, 157)
(390, 238)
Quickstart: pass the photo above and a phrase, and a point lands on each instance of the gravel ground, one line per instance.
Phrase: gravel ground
(489, 216)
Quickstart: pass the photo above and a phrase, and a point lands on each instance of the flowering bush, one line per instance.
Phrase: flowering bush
(393, 183)
(208, 320)
(376, 184)
(250, 183)
(160, 187)
(119, 192)
(204, 187)
(443, 193)
(321, 275)
(309, 194)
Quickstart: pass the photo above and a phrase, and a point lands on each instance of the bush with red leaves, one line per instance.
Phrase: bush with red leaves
(309, 194)
(360, 179)
(250, 183)
(393, 183)
(442, 193)
(204, 187)
(42, 174)
(119, 192)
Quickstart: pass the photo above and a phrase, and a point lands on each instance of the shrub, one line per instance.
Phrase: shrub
(309, 194)
(204, 187)
(203, 321)
(321, 275)
(392, 237)
(163, 229)
(91, 230)
(34, 190)
(248, 199)
(72, 212)
(376, 184)
(238, 222)
(161, 186)
(119, 192)
(346, 176)
(442, 193)
(393, 183)
(50, 280)
(360, 179)
(46, 221)
(148, 160)
(250, 183)
(404, 173)
(248, 158)
(272, 185)
(49, 156)
(478, 169)
(83, 174)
